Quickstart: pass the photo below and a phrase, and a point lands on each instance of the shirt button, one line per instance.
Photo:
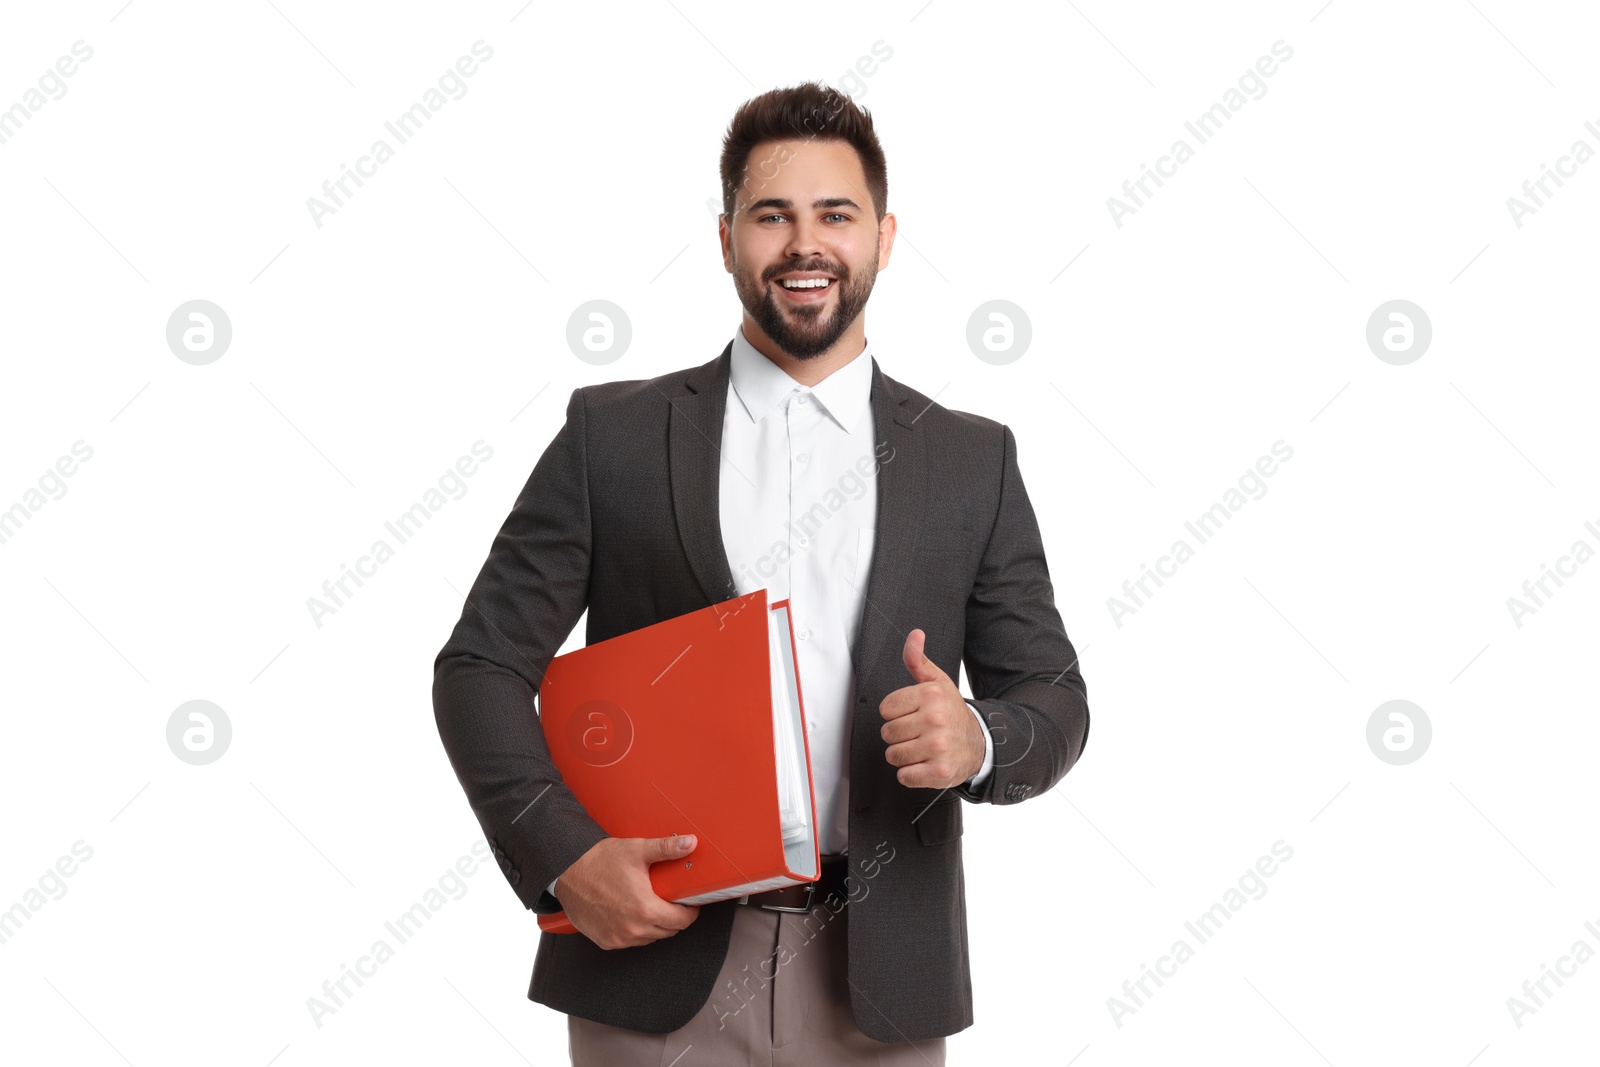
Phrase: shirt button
(802, 457)
(804, 397)
(804, 634)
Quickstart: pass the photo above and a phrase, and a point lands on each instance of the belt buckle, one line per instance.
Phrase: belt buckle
(810, 888)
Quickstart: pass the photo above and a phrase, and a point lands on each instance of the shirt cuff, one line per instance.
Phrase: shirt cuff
(988, 751)
(551, 888)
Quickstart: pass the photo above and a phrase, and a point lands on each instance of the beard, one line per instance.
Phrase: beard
(805, 331)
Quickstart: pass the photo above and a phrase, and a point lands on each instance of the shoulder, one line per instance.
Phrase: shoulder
(950, 429)
(636, 393)
(638, 401)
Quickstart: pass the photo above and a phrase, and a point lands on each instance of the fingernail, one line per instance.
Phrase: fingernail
(683, 844)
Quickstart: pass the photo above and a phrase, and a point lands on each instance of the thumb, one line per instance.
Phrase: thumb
(921, 668)
(668, 848)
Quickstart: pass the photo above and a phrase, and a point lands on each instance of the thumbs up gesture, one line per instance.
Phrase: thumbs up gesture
(933, 736)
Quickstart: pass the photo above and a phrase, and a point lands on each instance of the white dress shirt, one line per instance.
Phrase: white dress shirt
(798, 502)
(799, 499)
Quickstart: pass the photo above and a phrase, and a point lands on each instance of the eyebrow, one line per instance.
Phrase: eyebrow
(788, 205)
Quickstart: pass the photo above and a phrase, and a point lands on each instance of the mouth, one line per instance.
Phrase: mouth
(805, 288)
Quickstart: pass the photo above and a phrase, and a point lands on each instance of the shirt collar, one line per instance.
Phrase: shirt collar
(762, 385)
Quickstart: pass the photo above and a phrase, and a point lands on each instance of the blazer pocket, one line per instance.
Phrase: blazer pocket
(941, 822)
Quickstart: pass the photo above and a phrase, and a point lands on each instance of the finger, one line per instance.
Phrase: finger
(901, 702)
(935, 772)
(920, 667)
(904, 728)
(918, 776)
(675, 916)
(666, 930)
(909, 753)
(671, 847)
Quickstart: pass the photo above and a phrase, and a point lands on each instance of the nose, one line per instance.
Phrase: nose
(804, 242)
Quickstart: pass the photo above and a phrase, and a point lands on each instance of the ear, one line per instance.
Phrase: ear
(725, 239)
(886, 232)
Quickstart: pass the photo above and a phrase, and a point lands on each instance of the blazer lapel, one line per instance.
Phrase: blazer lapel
(694, 469)
(901, 495)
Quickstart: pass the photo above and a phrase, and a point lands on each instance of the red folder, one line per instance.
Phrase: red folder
(692, 725)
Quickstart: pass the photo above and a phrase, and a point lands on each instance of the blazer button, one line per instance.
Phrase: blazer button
(514, 878)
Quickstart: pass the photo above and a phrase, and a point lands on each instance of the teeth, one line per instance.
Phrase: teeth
(805, 283)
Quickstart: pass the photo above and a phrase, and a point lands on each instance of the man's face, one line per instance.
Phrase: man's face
(803, 212)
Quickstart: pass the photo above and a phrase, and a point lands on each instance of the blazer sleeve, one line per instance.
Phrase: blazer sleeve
(532, 590)
(1023, 669)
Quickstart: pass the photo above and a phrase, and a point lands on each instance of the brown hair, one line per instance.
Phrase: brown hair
(810, 111)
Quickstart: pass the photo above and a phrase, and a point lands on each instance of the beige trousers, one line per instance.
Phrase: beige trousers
(781, 1000)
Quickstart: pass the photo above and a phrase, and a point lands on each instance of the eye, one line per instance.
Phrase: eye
(837, 215)
(764, 218)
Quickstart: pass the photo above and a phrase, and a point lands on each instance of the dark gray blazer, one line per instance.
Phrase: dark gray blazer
(620, 517)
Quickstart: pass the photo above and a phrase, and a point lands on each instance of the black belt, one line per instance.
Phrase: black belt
(800, 897)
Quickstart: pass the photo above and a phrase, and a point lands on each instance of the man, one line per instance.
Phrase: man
(902, 534)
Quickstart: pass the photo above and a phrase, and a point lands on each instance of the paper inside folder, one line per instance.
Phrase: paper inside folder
(794, 799)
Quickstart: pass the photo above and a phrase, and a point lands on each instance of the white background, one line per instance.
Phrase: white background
(429, 312)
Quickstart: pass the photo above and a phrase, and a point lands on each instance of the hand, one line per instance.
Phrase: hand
(607, 893)
(933, 736)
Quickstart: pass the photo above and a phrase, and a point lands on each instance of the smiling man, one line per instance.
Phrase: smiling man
(751, 471)
(804, 271)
